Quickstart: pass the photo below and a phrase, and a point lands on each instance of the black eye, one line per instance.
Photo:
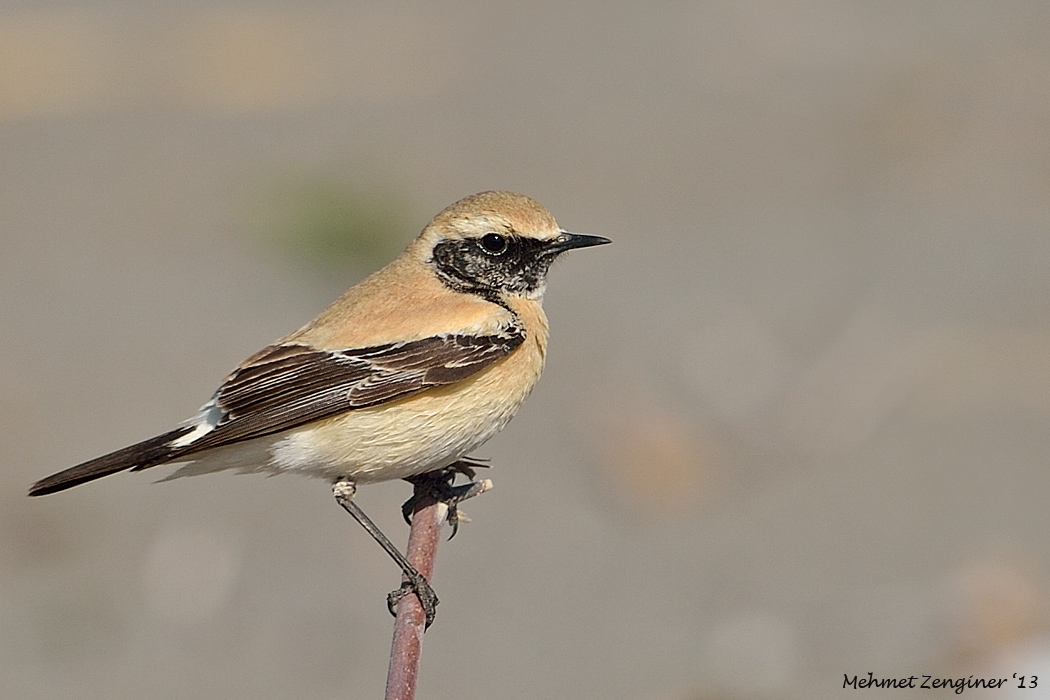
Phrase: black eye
(494, 243)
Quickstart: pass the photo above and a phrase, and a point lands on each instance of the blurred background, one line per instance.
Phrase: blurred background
(793, 424)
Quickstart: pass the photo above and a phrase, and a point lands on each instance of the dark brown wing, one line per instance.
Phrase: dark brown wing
(288, 385)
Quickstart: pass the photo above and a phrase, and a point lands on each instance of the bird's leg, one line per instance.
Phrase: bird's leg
(344, 491)
(438, 486)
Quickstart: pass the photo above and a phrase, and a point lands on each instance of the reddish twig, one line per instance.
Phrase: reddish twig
(410, 623)
(428, 516)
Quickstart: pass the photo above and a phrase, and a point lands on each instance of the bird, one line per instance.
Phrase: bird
(401, 377)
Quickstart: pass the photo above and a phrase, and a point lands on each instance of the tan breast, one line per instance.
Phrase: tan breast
(423, 431)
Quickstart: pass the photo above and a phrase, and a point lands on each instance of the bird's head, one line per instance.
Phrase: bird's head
(497, 243)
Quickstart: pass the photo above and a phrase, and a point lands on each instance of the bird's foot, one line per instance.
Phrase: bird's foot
(438, 487)
(428, 600)
(467, 466)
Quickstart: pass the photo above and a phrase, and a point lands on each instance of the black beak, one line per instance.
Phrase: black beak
(568, 241)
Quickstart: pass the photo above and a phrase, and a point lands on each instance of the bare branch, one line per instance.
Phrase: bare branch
(410, 623)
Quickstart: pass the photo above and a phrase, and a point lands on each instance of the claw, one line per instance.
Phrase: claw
(438, 486)
(428, 600)
(467, 465)
(455, 515)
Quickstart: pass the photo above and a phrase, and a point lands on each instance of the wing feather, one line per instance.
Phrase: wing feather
(285, 386)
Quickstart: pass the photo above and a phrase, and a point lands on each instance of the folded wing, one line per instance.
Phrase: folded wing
(288, 385)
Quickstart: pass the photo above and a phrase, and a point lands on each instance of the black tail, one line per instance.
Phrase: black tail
(147, 453)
